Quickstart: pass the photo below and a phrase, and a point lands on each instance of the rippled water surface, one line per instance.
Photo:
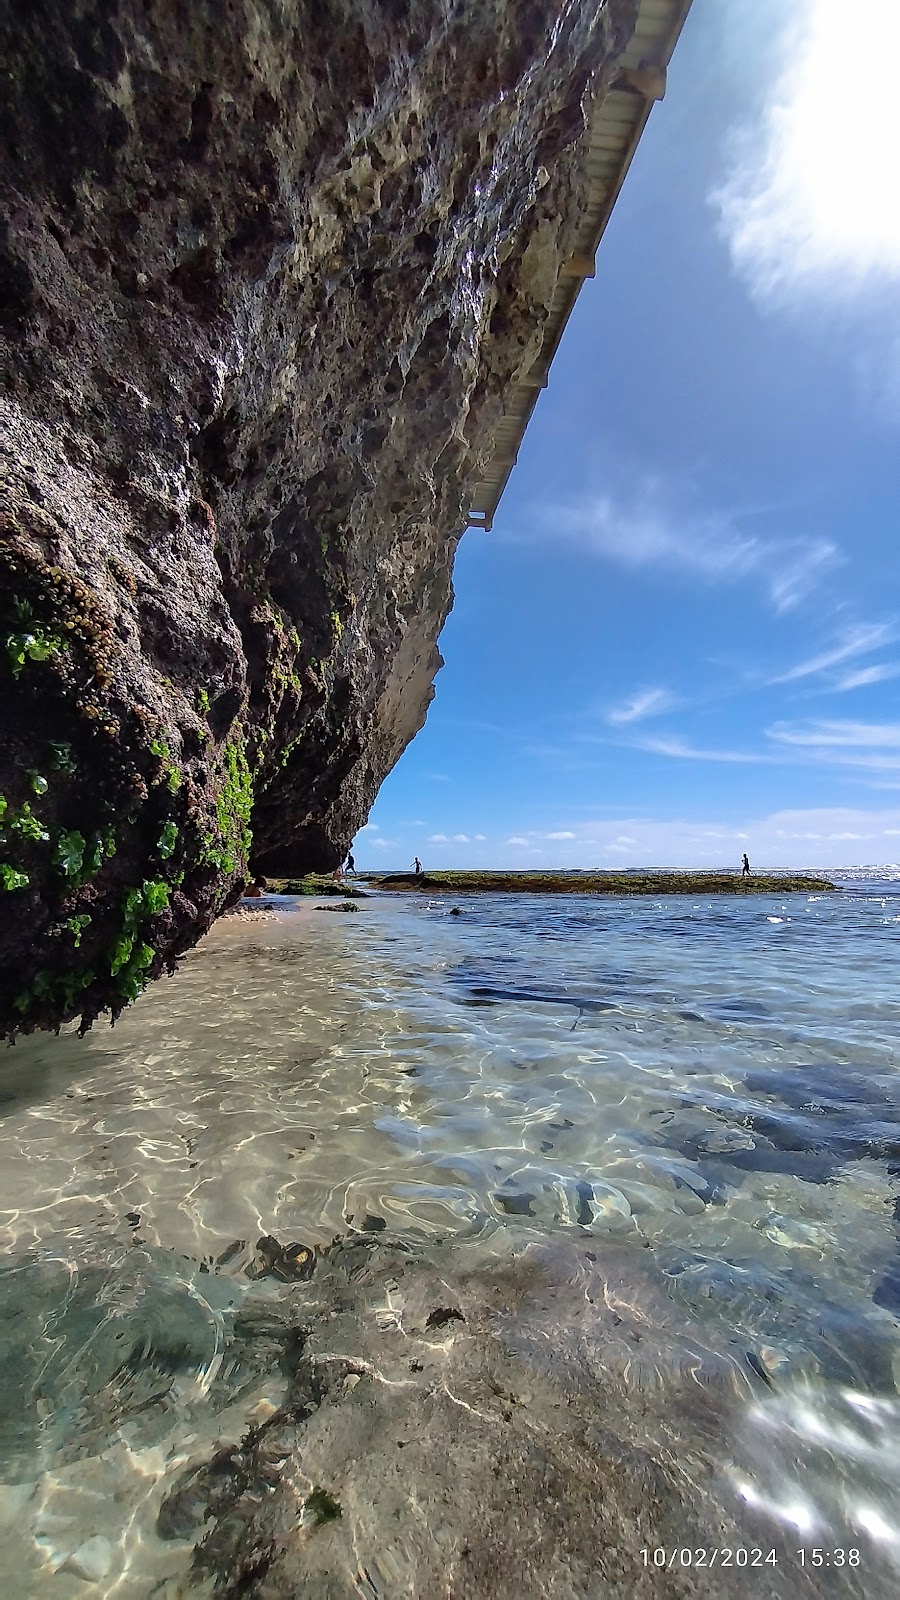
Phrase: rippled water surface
(711, 1085)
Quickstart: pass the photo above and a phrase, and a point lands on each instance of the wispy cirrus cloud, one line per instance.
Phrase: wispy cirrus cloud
(863, 747)
(830, 742)
(857, 761)
(864, 676)
(851, 643)
(643, 703)
(838, 733)
(454, 838)
(798, 570)
(537, 834)
(680, 750)
(654, 531)
(859, 640)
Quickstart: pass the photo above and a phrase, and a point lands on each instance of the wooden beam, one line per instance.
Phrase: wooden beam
(579, 266)
(648, 80)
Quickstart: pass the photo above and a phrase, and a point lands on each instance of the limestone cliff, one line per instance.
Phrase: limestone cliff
(266, 270)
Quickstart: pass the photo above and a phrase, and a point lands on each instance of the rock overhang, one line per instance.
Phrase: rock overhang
(270, 278)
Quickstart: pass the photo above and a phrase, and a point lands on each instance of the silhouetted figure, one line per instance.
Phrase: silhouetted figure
(745, 865)
(351, 864)
(418, 866)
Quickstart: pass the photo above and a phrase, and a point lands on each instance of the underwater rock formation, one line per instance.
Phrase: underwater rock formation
(536, 1426)
(267, 271)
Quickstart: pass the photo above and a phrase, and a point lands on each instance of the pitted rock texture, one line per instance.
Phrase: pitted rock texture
(267, 270)
(535, 1427)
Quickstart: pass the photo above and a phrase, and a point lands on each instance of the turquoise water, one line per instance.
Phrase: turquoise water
(710, 1084)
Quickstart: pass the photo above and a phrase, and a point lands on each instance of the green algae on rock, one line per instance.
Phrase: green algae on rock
(659, 883)
(316, 883)
(268, 275)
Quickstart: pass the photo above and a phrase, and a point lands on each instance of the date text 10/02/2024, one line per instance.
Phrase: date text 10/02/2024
(743, 1556)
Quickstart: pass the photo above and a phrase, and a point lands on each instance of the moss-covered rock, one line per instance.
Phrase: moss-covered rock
(658, 883)
(267, 275)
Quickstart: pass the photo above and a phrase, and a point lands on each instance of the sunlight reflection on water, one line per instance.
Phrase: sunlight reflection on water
(695, 1081)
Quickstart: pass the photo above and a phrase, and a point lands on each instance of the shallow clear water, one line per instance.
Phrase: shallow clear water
(711, 1083)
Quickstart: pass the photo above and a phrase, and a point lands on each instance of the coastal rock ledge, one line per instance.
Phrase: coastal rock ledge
(267, 272)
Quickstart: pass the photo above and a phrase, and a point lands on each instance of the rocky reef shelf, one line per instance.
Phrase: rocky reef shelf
(661, 883)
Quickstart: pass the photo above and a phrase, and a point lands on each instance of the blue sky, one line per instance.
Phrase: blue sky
(682, 638)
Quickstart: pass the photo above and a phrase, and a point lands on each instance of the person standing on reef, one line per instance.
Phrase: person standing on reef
(418, 866)
(351, 864)
(745, 865)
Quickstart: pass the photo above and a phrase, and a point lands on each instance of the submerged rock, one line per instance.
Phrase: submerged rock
(268, 272)
(290, 1262)
(542, 1435)
(91, 1561)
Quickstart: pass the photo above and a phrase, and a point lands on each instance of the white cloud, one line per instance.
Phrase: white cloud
(709, 544)
(808, 207)
(683, 751)
(438, 838)
(800, 838)
(644, 703)
(481, 838)
(867, 675)
(790, 584)
(563, 835)
(866, 746)
(856, 641)
(875, 762)
(451, 838)
(369, 827)
(838, 733)
(646, 534)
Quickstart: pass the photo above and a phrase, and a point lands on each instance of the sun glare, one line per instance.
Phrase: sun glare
(812, 195)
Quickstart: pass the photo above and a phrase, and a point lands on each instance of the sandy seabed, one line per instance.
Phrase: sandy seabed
(409, 1422)
(377, 1413)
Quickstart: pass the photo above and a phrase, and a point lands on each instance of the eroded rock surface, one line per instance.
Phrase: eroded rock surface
(391, 1415)
(267, 270)
(522, 1429)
